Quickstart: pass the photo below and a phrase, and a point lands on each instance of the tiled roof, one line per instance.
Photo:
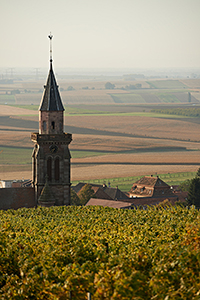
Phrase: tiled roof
(112, 193)
(150, 201)
(149, 186)
(151, 181)
(78, 187)
(109, 203)
(100, 194)
(182, 196)
(115, 193)
(51, 100)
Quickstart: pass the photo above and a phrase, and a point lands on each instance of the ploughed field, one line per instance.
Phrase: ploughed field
(110, 139)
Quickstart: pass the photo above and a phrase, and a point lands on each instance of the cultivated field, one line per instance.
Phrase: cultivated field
(109, 139)
(93, 91)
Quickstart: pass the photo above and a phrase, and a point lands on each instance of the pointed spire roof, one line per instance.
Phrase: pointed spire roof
(51, 100)
(46, 197)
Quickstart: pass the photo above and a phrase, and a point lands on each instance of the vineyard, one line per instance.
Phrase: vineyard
(66, 252)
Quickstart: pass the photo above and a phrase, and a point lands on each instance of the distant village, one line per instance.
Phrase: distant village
(147, 191)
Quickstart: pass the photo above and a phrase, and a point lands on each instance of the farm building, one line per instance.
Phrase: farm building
(151, 187)
(103, 191)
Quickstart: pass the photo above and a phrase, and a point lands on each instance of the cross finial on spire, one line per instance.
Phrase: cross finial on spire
(50, 38)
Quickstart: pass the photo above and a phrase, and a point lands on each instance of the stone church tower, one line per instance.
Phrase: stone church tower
(51, 156)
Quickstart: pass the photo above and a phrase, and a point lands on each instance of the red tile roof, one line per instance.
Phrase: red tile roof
(109, 203)
(151, 181)
(150, 201)
(149, 186)
(102, 191)
(100, 194)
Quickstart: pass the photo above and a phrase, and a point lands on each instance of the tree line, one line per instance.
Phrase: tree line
(193, 188)
(188, 112)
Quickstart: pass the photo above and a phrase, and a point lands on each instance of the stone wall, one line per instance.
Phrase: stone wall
(14, 198)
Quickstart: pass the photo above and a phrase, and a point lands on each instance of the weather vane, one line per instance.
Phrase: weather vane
(50, 37)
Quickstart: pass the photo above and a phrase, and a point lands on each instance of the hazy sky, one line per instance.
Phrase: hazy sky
(100, 33)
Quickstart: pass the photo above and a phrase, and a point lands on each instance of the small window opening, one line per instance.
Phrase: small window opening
(44, 125)
(53, 125)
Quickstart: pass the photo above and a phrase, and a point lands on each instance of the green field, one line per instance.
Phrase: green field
(127, 98)
(166, 84)
(66, 252)
(139, 114)
(168, 98)
(151, 97)
(125, 183)
(15, 155)
(7, 99)
(22, 156)
(68, 110)
(75, 111)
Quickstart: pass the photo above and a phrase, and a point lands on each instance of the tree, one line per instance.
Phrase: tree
(130, 87)
(198, 173)
(109, 86)
(194, 191)
(85, 194)
(138, 85)
(13, 92)
(74, 198)
(70, 88)
(184, 186)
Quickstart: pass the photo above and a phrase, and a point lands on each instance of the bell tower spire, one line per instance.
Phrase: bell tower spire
(51, 155)
(51, 57)
(51, 107)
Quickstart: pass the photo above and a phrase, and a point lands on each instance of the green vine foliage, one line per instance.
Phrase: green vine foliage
(66, 252)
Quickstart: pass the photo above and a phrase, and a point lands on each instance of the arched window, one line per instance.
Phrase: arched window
(34, 168)
(44, 125)
(57, 169)
(53, 125)
(49, 168)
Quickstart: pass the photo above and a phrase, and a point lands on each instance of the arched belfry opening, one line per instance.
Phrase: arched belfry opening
(53, 125)
(49, 169)
(57, 169)
(51, 143)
